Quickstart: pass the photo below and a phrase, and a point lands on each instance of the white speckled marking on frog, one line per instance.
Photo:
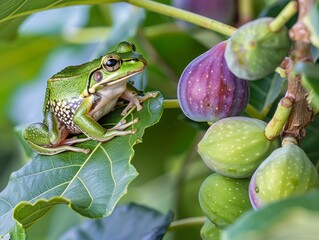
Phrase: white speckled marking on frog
(64, 111)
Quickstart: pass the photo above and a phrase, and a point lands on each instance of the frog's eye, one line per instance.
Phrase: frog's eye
(111, 62)
(97, 76)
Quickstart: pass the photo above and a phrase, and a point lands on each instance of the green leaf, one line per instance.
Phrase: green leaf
(18, 233)
(91, 184)
(310, 80)
(312, 22)
(131, 221)
(9, 28)
(264, 92)
(314, 53)
(294, 218)
(18, 8)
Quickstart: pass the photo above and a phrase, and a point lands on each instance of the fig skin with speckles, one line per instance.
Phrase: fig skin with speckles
(236, 146)
(286, 172)
(210, 231)
(254, 51)
(208, 91)
(223, 199)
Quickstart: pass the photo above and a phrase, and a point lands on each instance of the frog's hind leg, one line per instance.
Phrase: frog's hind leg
(55, 150)
(46, 138)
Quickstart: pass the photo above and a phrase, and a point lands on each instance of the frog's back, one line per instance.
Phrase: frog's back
(73, 71)
(68, 83)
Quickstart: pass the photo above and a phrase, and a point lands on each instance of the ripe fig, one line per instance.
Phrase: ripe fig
(236, 146)
(286, 172)
(210, 231)
(207, 91)
(223, 199)
(254, 51)
(220, 10)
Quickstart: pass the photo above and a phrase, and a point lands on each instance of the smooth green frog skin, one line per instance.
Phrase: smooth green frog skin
(78, 96)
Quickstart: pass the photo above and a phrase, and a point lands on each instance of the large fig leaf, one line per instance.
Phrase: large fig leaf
(293, 218)
(18, 8)
(91, 184)
(310, 80)
(264, 92)
(123, 224)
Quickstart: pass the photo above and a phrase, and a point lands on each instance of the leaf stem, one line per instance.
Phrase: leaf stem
(184, 15)
(279, 119)
(186, 222)
(171, 103)
(284, 16)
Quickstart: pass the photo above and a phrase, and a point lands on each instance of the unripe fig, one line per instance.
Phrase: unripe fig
(207, 91)
(210, 231)
(220, 10)
(236, 146)
(286, 172)
(254, 51)
(223, 199)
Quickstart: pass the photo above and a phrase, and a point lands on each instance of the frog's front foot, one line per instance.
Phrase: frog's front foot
(123, 125)
(136, 100)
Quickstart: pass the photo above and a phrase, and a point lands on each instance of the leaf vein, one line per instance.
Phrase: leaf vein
(81, 167)
(17, 9)
(88, 191)
(48, 170)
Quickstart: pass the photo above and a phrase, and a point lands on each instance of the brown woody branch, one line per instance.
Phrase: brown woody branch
(301, 113)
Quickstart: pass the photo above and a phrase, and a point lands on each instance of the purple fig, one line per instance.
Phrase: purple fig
(207, 90)
(286, 172)
(220, 10)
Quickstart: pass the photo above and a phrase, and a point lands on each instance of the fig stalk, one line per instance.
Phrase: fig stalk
(289, 140)
(288, 12)
(171, 103)
(279, 119)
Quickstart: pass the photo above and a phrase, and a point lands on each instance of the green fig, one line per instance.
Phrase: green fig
(223, 199)
(236, 146)
(210, 231)
(286, 172)
(254, 51)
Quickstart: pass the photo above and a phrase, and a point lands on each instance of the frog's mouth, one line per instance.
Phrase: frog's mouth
(120, 79)
(111, 83)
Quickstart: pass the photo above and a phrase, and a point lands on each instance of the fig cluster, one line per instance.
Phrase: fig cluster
(249, 167)
(250, 170)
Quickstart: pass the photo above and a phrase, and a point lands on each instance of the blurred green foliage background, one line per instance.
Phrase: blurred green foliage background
(32, 49)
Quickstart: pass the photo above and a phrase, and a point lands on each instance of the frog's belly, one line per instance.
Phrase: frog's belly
(104, 109)
(100, 110)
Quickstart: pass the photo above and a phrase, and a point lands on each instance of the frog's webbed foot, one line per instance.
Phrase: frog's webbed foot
(136, 100)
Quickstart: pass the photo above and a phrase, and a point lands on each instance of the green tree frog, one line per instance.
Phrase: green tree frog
(78, 96)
